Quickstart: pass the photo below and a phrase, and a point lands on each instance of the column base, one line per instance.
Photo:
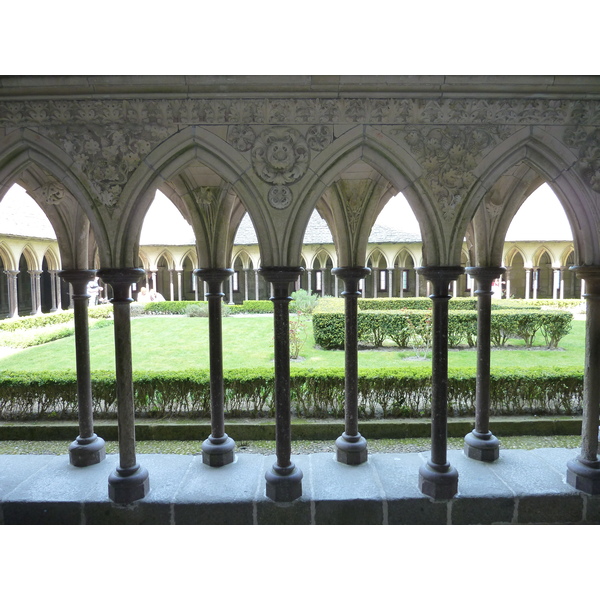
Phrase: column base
(84, 452)
(217, 452)
(482, 446)
(440, 482)
(284, 484)
(128, 485)
(584, 475)
(351, 449)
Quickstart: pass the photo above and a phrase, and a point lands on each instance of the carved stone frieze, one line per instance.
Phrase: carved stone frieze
(293, 111)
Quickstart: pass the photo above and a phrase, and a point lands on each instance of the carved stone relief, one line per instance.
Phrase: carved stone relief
(587, 141)
(206, 197)
(53, 192)
(448, 155)
(109, 155)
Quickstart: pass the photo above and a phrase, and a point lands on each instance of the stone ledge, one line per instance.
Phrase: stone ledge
(521, 487)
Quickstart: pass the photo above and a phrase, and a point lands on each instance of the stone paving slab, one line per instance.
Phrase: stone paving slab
(521, 487)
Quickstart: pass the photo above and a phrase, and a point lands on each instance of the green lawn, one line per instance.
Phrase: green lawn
(177, 343)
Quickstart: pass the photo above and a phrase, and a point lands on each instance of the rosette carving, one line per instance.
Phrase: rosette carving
(318, 137)
(280, 156)
(280, 196)
(241, 137)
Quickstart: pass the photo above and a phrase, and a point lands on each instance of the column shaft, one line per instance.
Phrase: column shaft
(88, 448)
(480, 444)
(284, 481)
(438, 478)
(583, 473)
(130, 481)
(218, 448)
(351, 447)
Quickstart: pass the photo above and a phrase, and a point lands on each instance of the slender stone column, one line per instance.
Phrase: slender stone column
(171, 286)
(179, 285)
(153, 277)
(13, 296)
(246, 285)
(555, 283)
(53, 277)
(508, 269)
(256, 285)
(129, 482)
(417, 283)
(390, 282)
(527, 282)
(438, 478)
(536, 282)
(88, 448)
(351, 447)
(217, 449)
(308, 280)
(583, 473)
(36, 292)
(375, 279)
(562, 283)
(284, 480)
(480, 444)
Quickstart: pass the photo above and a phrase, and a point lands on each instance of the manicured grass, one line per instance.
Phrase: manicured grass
(177, 343)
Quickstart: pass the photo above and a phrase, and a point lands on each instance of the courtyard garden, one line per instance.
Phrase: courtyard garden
(537, 361)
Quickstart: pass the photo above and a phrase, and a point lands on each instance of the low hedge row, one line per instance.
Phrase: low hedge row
(55, 318)
(320, 393)
(406, 328)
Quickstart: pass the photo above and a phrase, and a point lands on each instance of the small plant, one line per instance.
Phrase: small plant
(298, 334)
(304, 302)
(196, 310)
(420, 335)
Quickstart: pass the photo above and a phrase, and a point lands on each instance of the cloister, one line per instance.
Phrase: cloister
(464, 151)
(534, 268)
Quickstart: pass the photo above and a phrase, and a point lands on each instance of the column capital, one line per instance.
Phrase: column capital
(440, 277)
(121, 279)
(351, 276)
(78, 278)
(213, 275)
(281, 275)
(485, 274)
(591, 276)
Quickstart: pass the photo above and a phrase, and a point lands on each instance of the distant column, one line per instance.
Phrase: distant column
(36, 292)
(437, 478)
(171, 286)
(308, 280)
(375, 280)
(390, 282)
(508, 269)
(256, 285)
(13, 296)
(179, 285)
(246, 284)
(130, 481)
(87, 449)
(562, 283)
(53, 295)
(583, 473)
(284, 480)
(417, 283)
(536, 282)
(527, 282)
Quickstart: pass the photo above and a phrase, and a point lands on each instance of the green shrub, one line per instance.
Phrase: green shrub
(36, 321)
(196, 310)
(303, 301)
(253, 307)
(313, 393)
(167, 307)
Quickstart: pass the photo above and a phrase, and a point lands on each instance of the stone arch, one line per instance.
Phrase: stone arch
(7, 257)
(23, 149)
(539, 252)
(387, 157)
(543, 158)
(191, 146)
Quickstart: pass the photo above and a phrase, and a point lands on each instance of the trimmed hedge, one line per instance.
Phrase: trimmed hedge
(314, 393)
(407, 328)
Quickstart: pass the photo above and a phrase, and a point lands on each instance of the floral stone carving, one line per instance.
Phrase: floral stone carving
(280, 156)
